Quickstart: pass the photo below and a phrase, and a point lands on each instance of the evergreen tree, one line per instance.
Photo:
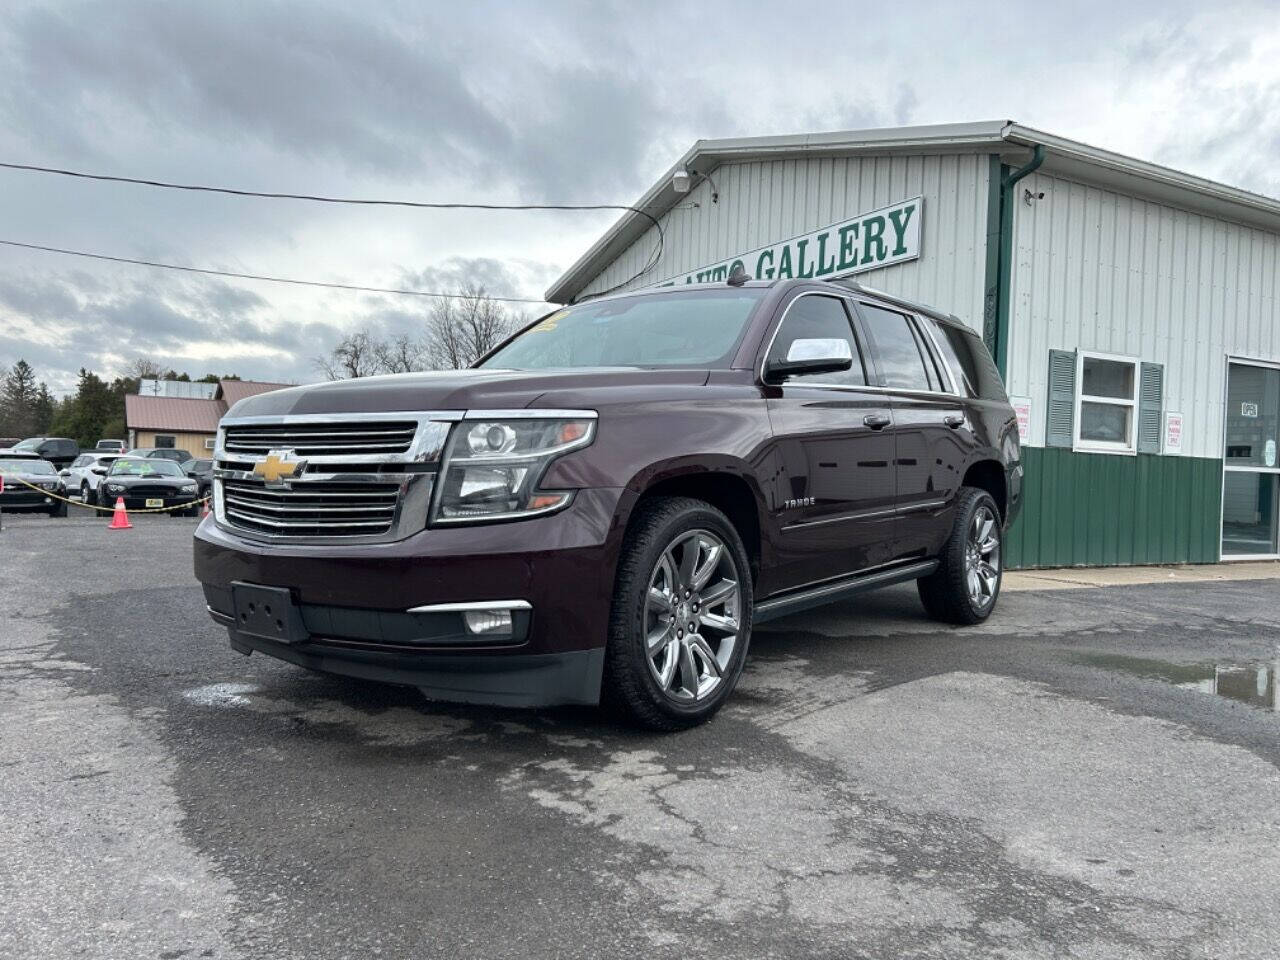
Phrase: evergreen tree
(87, 411)
(43, 410)
(17, 401)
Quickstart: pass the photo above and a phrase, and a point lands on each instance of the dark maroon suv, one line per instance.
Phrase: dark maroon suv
(608, 502)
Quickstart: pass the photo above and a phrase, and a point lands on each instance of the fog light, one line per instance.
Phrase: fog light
(490, 623)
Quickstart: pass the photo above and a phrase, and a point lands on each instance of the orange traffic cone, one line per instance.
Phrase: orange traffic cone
(120, 517)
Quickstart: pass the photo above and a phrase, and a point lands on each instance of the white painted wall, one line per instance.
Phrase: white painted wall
(763, 202)
(1098, 270)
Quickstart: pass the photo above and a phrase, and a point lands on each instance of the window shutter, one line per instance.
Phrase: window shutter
(1150, 407)
(1059, 425)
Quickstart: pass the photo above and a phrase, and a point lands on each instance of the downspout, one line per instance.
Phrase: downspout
(999, 338)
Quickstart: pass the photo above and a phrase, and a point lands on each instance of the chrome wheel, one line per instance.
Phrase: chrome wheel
(691, 616)
(982, 557)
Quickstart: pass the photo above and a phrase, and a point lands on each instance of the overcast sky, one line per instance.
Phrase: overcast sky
(507, 101)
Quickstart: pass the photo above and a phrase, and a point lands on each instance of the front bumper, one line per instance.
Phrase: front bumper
(133, 502)
(354, 601)
(17, 499)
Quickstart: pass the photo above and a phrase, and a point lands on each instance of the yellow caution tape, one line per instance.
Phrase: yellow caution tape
(93, 506)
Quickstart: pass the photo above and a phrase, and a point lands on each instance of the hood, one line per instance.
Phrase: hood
(457, 390)
(126, 480)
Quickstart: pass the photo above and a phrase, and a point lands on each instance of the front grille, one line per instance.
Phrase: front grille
(313, 509)
(152, 490)
(321, 439)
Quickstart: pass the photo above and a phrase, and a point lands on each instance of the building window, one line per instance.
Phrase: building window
(165, 441)
(1106, 403)
(209, 443)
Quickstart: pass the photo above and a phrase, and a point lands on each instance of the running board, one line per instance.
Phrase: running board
(784, 606)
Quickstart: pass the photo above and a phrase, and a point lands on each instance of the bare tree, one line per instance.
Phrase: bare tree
(144, 368)
(459, 330)
(400, 354)
(465, 328)
(356, 355)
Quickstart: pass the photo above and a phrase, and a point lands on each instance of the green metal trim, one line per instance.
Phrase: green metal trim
(1094, 509)
(999, 344)
(990, 286)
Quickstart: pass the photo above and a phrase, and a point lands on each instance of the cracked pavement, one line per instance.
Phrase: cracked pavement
(1091, 774)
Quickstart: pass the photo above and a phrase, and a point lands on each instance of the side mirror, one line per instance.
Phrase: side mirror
(64, 473)
(818, 355)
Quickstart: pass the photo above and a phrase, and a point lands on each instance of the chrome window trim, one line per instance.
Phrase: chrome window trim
(915, 320)
(853, 334)
(851, 304)
(927, 324)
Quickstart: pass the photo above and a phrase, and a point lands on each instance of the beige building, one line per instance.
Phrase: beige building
(186, 423)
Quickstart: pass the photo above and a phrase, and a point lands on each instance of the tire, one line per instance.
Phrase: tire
(682, 682)
(965, 587)
(59, 509)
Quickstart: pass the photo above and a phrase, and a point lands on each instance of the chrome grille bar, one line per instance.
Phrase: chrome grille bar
(321, 439)
(367, 477)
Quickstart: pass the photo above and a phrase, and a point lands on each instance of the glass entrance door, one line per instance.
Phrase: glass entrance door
(1251, 470)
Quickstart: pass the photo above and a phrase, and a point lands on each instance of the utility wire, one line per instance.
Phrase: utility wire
(255, 276)
(357, 201)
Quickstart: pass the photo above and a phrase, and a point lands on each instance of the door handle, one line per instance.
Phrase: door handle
(876, 421)
(954, 420)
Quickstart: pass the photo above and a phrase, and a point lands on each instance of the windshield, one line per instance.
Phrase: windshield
(41, 468)
(27, 444)
(693, 328)
(145, 468)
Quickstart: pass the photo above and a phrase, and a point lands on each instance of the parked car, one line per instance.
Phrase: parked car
(23, 465)
(82, 477)
(114, 445)
(57, 450)
(610, 501)
(7, 443)
(161, 453)
(202, 472)
(148, 483)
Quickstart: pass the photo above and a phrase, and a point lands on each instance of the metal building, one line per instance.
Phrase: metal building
(1133, 309)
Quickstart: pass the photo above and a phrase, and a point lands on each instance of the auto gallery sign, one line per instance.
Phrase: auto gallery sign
(866, 242)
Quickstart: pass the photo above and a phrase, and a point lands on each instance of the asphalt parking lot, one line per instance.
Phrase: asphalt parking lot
(1091, 774)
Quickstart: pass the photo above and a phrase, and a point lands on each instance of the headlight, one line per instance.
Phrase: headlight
(493, 467)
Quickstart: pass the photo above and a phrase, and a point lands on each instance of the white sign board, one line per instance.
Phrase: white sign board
(1173, 433)
(1022, 410)
(866, 242)
(1248, 409)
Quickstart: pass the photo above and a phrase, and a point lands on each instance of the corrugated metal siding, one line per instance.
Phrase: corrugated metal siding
(1091, 509)
(763, 202)
(1097, 270)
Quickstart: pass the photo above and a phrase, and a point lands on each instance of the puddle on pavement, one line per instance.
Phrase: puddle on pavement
(1255, 683)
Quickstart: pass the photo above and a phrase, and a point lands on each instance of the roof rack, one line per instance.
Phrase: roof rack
(897, 301)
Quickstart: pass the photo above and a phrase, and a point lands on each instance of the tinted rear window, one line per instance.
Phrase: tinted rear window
(968, 358)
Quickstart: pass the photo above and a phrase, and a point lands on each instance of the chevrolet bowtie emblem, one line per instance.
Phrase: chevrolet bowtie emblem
(277, 467)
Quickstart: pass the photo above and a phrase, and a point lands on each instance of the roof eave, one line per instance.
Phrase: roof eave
(1012, 140)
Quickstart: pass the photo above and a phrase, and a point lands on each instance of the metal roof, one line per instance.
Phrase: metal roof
(179, 414)
(233, 390)
(191, 414)
(1012, 141)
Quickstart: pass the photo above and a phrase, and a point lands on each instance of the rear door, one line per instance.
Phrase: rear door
(834, 503)
(932, 438)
